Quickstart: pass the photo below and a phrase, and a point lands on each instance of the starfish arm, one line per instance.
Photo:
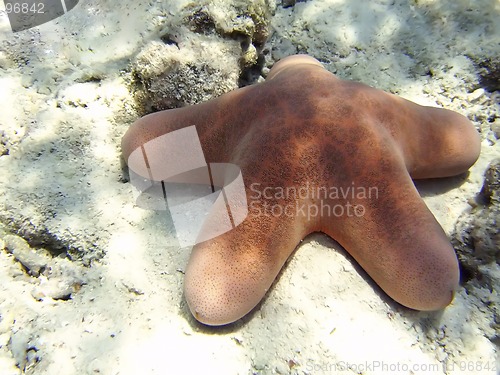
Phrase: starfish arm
(435, 142)
(217, 140)
(228, 276)
(398, 242)
(445, 143)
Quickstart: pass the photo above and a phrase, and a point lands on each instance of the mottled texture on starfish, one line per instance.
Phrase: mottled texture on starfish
(306, 129)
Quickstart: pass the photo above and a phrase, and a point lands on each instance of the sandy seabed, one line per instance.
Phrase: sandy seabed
(90, 283)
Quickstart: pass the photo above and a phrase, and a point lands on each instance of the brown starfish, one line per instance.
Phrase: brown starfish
(319, 154)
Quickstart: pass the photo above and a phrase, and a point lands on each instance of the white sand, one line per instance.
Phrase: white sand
(117, 307)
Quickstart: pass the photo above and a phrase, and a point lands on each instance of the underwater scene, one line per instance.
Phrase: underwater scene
(271, 186)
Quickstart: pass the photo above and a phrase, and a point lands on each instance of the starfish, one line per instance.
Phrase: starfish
(321, 154)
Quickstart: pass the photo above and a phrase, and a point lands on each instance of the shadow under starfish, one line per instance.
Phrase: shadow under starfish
(319, 154)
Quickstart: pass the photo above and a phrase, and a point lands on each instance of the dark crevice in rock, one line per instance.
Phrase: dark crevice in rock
(290, 3)
(249, 75)
(42, 237)
(169, 40)
(200, 22)
(489, 74)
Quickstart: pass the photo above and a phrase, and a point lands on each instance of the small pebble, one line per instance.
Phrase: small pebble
(476, 95)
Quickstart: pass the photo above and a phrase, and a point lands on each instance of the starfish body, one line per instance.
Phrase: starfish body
(320, 154)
